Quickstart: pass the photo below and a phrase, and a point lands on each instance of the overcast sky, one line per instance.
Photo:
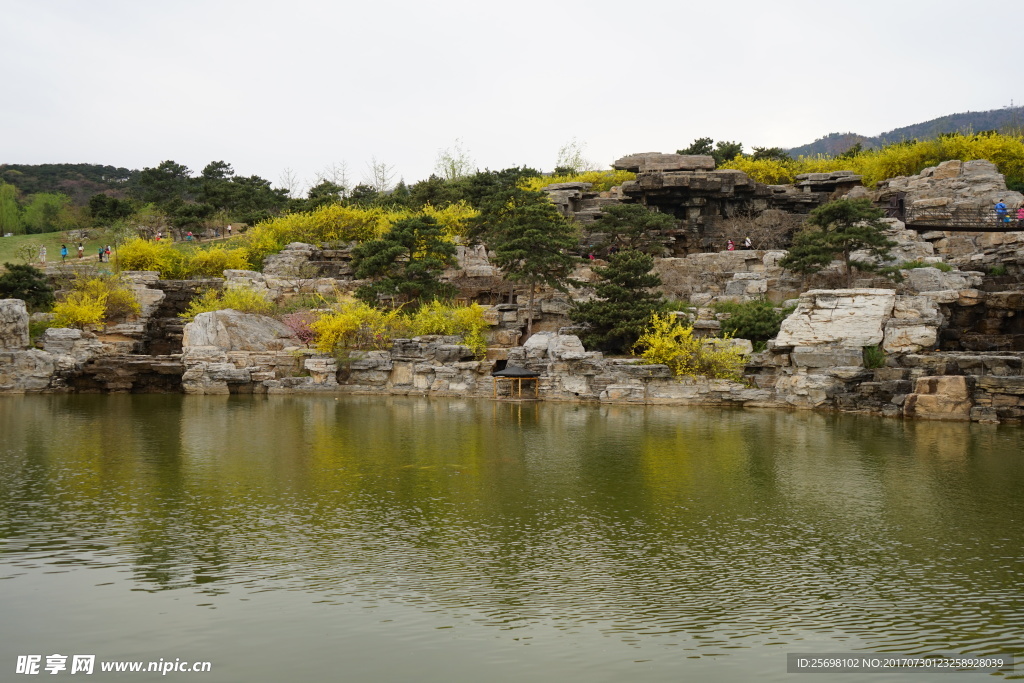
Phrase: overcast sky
(304, 85)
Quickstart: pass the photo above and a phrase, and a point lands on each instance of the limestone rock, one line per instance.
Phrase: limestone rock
(850, 318)
(31, 370)
(71, 342)
(940, 398)
(648, 162)
(822, 356)
(562, 345)
(933, 279)
(231, 330)
(903, 336)
(13, 325)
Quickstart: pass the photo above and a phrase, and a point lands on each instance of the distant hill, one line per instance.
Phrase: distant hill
(1008, 118)
(77, 181)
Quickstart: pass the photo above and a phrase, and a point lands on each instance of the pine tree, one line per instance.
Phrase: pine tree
(406, 263)
(631, 226)
(625, 304)
(531, 241)
(837, 230)
(27, 283)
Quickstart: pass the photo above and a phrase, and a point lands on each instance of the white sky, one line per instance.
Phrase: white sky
(304, 84)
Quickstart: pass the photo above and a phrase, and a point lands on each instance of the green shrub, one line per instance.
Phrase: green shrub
(27, 283)
(910, 265)
(997, 271)
(37, 328)
(874, 357)
(756, 320)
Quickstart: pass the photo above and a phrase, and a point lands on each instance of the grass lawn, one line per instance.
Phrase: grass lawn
(10, 247)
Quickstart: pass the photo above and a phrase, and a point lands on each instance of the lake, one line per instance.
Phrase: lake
(293, 538)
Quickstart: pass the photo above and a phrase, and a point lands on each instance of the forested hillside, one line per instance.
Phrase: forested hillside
(1006, 120)
(78, 182)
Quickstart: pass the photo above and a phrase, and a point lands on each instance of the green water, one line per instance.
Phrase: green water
(378, 539)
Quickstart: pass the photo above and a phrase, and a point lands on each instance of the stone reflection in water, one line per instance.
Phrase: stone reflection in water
(729, 529)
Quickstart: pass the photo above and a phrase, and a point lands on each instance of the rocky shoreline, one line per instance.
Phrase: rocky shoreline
(948, 340)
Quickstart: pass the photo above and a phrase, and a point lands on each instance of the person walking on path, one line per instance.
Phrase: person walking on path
(81, 250)
(730, 245)
(229, 230)
(1001, 214)
(63, 253)
(1020, 216)
(100, 253)
(747, 244)
(106, 252)
(42, 255)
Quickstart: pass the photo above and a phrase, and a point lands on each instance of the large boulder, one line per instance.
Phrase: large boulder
(13, 325)
(851, 318)
(651, 162)
(67, 341)
(30, 370)
(940, 398)
(230, 330)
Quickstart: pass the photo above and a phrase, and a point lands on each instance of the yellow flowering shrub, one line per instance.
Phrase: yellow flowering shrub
(902, 159)
(240, 299)
(212, 262)
(437, 317)
(140, 254)
(333, 223)
(79, 309)
(177, 262)
(352, 324)
(601, 180)
(670, 343)
(454, 218)
(355, 325)
(96, 301)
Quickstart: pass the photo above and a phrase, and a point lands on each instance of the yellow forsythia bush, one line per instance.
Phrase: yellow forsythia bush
(902, 159)
(140, 254)
(95, 301)
(356, 325)
(176, 262)
(601, 180)
(337, 223)
(670, 343)
(79, 309)
(239, 299)
(437, 317)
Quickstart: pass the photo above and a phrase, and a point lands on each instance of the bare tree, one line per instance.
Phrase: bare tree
(289, 182)
(771, 229)
(336, 173)
(380, 176)
(454, 162)
(570, 158)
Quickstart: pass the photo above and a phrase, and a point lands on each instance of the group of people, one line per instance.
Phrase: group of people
(747, 244)
(1004, 213)
(103, 253)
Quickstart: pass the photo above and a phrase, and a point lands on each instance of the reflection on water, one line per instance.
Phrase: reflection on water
(701, 532)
